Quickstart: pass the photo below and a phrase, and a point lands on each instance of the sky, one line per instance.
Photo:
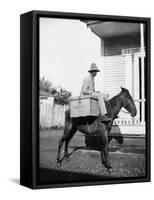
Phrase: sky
(67, 49)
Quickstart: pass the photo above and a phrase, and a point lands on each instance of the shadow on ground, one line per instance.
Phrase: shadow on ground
(61, 176)
(15, 180)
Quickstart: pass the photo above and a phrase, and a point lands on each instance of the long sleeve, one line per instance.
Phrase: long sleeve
(87, 86)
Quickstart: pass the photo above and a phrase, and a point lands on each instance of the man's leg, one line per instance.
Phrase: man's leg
(102, 106)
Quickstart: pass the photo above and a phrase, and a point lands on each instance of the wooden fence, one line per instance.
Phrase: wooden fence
(51, 115)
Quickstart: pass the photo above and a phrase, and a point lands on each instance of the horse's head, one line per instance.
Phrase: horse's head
(128, 102)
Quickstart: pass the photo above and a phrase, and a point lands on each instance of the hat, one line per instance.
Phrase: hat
(93, 68)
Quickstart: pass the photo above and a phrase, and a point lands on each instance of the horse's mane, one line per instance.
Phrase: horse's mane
(114, 99)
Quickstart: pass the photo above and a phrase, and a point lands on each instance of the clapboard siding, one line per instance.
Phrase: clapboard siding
(114, 71)
(114, 45)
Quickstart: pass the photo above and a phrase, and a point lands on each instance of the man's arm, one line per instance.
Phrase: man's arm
(85, 87)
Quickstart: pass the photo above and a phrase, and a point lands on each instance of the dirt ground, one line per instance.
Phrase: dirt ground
(127, 159)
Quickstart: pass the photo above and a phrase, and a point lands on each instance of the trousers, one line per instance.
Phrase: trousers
(101, 97)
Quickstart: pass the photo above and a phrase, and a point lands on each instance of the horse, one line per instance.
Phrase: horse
(95, 127)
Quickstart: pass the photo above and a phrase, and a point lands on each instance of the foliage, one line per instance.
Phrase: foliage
(46, 85)
(60, 96)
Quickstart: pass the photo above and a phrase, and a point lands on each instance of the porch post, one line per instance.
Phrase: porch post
(133, 81)
(142, 72)
(102, 47)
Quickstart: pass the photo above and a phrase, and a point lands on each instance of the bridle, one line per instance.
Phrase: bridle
(125, 111)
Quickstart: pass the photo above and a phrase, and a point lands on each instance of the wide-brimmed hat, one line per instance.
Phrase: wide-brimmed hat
(93, 68)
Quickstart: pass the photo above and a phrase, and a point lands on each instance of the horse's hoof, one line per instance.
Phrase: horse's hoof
(108, 167)
(109, 170)
(67, 158)
(103, 163)
(59, 163)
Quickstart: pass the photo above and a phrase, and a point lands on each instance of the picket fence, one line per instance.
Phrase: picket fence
(52, 115)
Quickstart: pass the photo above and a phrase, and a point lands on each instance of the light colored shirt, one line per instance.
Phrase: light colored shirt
(88, 86)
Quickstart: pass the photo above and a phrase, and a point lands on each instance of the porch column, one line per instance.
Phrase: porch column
(102, 47)
(133, 81)
(142, 72)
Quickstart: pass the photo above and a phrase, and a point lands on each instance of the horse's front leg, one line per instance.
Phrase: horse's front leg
(102, 157)
(106, 156)
(66, 154)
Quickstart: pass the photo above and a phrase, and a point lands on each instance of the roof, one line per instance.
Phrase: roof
(109, 29)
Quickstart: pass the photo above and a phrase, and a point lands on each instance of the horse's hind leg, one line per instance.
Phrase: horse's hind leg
(65, 137)
(61, 141)
(68, 139)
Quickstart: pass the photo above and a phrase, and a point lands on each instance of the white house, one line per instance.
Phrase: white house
(123, 63)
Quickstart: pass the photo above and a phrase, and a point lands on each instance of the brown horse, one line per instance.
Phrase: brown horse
(94, 127)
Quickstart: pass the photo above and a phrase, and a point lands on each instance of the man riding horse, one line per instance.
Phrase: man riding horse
(88, 88)
(99, 125)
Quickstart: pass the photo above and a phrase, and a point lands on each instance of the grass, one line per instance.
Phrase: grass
(127, 160)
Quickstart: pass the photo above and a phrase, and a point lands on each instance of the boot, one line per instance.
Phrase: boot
(105, 118)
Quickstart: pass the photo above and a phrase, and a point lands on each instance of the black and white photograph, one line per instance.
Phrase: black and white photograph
(76, 100)
(92, 100)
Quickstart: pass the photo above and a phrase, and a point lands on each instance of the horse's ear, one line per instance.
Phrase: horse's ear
(122, 88)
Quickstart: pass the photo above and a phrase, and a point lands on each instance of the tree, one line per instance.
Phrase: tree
(62, 97)
(45, 85)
